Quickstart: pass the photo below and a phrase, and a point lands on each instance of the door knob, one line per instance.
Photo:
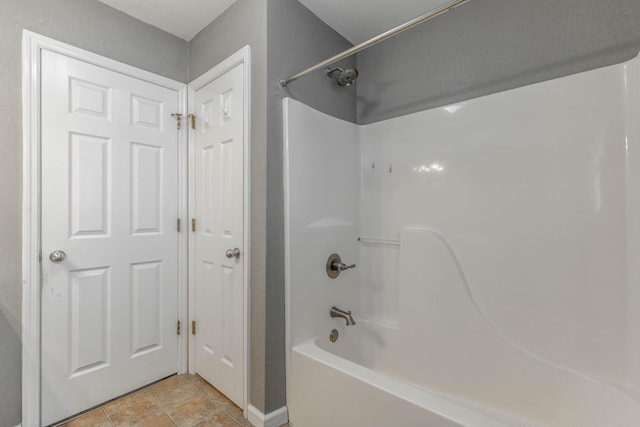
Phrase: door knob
(233, 253)
(57, 256)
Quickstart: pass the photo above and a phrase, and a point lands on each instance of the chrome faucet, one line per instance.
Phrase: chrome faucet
(346, 315)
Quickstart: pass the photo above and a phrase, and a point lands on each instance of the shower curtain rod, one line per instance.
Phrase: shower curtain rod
(377, 39)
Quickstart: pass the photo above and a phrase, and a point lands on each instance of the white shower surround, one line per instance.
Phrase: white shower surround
(504, 289)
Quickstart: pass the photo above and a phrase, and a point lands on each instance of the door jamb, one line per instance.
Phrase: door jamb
(32, 46)
(242, 56)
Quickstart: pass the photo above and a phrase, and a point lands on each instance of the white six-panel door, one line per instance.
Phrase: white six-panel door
(110, 203)
(219, 216)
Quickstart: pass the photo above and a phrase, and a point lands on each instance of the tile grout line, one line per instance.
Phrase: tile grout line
(231, 415)
(210, 399)
(163, 407)
(214, 402)
(108, 416)
(160, 406)
(206, 397)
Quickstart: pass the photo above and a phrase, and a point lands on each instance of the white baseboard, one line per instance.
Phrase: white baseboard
(272, 419)
(19, 425)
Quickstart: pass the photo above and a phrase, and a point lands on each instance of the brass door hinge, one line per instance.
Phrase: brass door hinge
(193, 120)
(178, 224)
(193, 224)
(178, 116)
(178, 327)
(193, 327)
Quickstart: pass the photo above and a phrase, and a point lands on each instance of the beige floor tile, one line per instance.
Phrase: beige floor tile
(198, 381)
(173, 391)
(190, 377)
(182, 400)
(161, 420)
(231, 409)
(244, 422)
(136, 399)
(96, 418)
(216, 395)
(213, 393)
(193, 411)
(133, 410)
(220, 419)
(219, 398)
(222, 401)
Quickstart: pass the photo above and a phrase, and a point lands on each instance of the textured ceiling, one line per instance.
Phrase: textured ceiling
(183, 18)
(356, 20)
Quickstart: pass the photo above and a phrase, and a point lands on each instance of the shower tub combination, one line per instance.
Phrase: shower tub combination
(495, 242)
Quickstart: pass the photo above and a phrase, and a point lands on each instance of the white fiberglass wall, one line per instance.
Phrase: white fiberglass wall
(499, 244)
(322, 216)
(532, 189)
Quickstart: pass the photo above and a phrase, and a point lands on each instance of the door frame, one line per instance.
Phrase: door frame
(32, 46)
(242, 56)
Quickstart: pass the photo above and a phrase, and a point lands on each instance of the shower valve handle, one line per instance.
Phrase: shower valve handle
(341, 266)
(335, 265)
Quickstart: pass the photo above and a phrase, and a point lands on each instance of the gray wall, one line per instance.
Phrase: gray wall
(297, 39)
(246, 23)
(90, 25)
(487, 46)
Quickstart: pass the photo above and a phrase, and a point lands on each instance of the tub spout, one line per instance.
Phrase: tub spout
(346, 315)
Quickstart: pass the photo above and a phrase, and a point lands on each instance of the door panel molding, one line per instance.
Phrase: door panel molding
(242, 56)
(32, 46)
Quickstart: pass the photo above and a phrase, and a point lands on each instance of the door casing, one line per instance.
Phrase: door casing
(243, 56)
(32, 46)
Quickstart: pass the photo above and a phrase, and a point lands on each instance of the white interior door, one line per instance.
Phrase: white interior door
(219, 216)
(110, 203)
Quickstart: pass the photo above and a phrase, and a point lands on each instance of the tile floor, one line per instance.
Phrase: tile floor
(180, 400)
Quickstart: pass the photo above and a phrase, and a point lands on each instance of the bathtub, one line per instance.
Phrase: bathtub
(349, 384)
(329, 390)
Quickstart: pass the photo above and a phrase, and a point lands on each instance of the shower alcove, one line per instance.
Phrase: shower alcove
(496, 243)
